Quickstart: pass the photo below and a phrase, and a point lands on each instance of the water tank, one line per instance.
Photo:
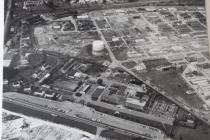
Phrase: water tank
(98, 48)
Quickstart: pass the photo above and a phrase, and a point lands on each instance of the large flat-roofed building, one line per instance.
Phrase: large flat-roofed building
(67, 66)
(32, 3)
(98, 91)
(163, 123)
(111, 99)
(135, 104)
(67, 85)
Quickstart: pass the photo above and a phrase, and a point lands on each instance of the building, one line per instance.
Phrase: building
(165, 124)
(5, 82)
(111, 99)
(188, 123)
(44, 77)
(32, 3)
(134, 104)
(83, 16)
(98, 91)
(70, 85)
(49, 95)
(98, 48)
(177, 48)
(39, 93)
(80, 75)
(141, 67)
(67, 66)
(16, 84)
(85, 89)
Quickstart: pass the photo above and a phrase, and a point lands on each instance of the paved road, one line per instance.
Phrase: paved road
(40, 107)
(180, 104)
(99, 6)
(115, 61)
(82, 9)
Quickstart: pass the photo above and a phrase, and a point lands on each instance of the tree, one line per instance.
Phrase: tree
(82, 102)
(99, 81)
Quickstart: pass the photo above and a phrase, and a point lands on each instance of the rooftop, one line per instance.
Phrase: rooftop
(168, 121)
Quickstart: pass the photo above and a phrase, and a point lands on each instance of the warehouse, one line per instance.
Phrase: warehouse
(111, 99)
(99, 90)
(165, 124)
(135, 104)
(67, 85)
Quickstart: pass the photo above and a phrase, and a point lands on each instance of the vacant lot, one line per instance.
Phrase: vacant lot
(129, 64)
(174, 85)
(69, 42)
(152, 64)
(200, 133)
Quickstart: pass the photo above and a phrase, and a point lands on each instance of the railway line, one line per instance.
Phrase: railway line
(40, 108)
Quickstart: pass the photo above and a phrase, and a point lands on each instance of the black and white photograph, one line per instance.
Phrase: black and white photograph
(105, 70)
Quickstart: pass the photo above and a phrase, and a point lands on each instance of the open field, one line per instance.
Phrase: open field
(65, 42)
(173, 85)
(201, 133)
(158, 37)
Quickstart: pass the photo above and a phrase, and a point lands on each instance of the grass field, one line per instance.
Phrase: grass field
(152, 64)
(35, 59)
(120, 53)
(69, 42)
(183, 133)
(174, 85)
(129, 64)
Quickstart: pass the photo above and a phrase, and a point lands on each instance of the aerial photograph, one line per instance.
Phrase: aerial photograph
(105, 70)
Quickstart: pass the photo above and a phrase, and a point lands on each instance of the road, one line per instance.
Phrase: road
(114, 60)
(116, 63)
(87, 8)
(92, 7)
(18, 99)
(154, 88)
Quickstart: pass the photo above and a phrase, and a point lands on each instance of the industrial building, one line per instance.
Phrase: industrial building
(111, 99)
(85, 89)
(32, 3)
(98, 48)
(70, 85)
(147, 119)
(36, 93)
(136, 104)
(98, 91)
(141, 43)
(67, 66)
(49, 95)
